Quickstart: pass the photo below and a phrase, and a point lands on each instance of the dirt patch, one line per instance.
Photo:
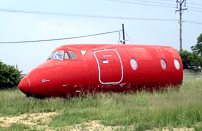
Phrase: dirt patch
(96, 126)
(40, 122)
(33, 119)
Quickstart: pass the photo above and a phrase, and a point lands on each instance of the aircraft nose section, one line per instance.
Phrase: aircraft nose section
(24, 85)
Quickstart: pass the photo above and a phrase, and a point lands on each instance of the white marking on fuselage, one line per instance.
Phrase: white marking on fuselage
(105, 62)
(83, 52)
(43, 80)
(107, 55)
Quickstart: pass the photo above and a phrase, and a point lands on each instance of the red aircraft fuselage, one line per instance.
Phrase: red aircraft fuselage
(71, 69)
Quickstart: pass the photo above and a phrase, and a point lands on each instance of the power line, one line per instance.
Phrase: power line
(195, 10)
(191, 3)
(83, 15)
(157, 4)
(146, 1)
(129, 38)
(167, 0)
(80, 15)
(140, 3)
(194, 7)
(194, 4)
(193, 22)
(32, 41)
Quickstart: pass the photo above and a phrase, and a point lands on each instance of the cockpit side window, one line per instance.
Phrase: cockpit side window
(59, 55)
(73, 56)
(51, 56)
(67, 55)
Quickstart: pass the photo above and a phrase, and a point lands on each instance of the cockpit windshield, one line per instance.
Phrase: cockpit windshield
(51, 56)
(59, 55)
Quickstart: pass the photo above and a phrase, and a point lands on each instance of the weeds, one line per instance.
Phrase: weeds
(142, 110)
(15, 127)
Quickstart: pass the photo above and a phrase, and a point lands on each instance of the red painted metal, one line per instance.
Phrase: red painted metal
(104, 67)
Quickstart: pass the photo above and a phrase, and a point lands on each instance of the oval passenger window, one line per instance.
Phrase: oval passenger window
(133, 64)
(163, 64)
(177, 64)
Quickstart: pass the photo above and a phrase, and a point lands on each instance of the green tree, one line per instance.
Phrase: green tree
(198, 46)
(9, 76)
(191, 60)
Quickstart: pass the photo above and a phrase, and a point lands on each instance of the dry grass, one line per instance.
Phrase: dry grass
(132, 111)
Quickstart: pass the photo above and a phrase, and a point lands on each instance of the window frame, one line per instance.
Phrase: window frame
(51, 55)
(177, 64)
(56, 54)
(71, 55)
(68, 55)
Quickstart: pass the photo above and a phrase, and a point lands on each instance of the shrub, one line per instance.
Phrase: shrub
(9, 76)
(191, 60)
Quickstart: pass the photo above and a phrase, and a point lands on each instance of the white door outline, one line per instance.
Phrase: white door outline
(99, 67)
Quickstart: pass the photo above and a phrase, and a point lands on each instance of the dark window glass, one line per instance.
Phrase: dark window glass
(73, 56)
(66, 55)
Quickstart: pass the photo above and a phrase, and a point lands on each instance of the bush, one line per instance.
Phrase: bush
(9, 76)
(191, 60)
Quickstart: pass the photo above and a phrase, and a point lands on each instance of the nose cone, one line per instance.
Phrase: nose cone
(24, 85)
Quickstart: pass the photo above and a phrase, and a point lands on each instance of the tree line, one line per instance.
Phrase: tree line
(193, 60)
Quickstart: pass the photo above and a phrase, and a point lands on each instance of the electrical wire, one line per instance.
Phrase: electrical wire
(157, 4)
(191, 3)
(167, 0)
(120, 1)
(146, 1)
(193, 22)
(194, 7)
(92, 16)
(129, 38)
(32, 41)
(194, 4)
(44, 13)
(195, 10)
(81, 15)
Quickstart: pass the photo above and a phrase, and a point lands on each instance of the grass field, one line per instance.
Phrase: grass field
(131, 111)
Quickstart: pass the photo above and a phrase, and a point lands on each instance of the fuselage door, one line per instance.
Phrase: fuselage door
(110, 66)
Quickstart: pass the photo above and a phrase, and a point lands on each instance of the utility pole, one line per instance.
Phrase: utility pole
(123, 34)
(180, 2)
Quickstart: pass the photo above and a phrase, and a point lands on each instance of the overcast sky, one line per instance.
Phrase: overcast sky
(23, 20)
